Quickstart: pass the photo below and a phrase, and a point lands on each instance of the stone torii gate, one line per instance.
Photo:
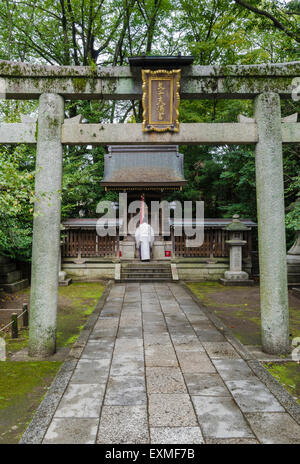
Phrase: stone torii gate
(52, 85)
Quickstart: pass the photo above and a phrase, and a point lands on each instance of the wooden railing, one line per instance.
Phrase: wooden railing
(214, 245)
(86, 243)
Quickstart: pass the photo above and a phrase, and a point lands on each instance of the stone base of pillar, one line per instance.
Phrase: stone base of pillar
(236, 275)
(236, 282)
(293, 267)
(63, 281)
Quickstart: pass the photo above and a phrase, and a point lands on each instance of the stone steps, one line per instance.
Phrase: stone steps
(11, 280)
(146, 272)
(7, 267)
(10, 277)
(15, 286)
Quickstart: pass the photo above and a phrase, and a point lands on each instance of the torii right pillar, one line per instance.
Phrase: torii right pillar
(271, 225)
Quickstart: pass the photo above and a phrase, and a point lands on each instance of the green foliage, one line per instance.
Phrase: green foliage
(16, 201)
(72, 32)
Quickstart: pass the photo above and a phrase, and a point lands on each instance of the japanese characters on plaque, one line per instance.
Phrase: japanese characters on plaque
(161, 100)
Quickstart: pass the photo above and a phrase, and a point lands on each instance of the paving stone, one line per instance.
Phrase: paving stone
(98, 349)
(110, 313)
(190, 310)
(165, 380)
(148, 317)
(132, 297)
(149, 295)
(132, 302)
(153, 326)
(111, 306)
(203, 325)
(123, 425)
(185, 299)
(147, 288)
(253, 396)
(274, 428)
(170, 308)
(162, 338)
(194, 362)
(129, 345)
(127, 367)
(206, 384)
(132, 308)
(129, 322)
(181, 330)
(114, 299)
(231, 441)
(220, 350)
(130, 332)
(220, 418)
(99, 334)
(164, 295)
(106, 323)
(154, 329)
(81, 400)
(185, 340)
(233, 369)
(150, 309)
(194, 318)
(193, 345)
(91, 371)
(134, 317)
(72, 431)
(128, 352)
(125, 391)
(177, 319)
(171, 410)
(209, 335)
(176, 435)
(160, 355)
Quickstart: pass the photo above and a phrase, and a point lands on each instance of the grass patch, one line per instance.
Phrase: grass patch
(239, 308)
(23, 384)
(288, 374)
(22, 387)
(75, 303)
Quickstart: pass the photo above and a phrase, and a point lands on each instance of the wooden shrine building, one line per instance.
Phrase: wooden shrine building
(151, 172)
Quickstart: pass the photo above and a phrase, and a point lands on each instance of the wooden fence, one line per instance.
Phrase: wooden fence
(214, 245)
(87, 244)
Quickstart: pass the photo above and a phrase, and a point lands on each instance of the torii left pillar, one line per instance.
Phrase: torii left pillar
(46, 227)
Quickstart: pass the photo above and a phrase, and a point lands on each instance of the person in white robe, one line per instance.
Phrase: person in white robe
(144, 238)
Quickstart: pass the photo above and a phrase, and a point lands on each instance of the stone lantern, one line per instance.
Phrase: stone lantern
(293, 261)
(236, 275)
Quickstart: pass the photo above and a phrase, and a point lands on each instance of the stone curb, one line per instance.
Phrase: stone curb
(281, 394)
(38, 426)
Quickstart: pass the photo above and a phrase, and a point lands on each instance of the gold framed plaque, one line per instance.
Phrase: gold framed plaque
(161, 100)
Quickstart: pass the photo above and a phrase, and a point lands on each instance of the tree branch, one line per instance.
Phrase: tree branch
(268, 15)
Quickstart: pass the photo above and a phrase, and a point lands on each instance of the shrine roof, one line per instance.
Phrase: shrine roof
(143, 166)
(87, 223)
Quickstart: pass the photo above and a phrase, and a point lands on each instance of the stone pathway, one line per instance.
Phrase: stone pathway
(156, 370)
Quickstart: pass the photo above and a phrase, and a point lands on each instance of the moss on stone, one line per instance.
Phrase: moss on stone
(288, 375)
(79, 84)
(22, 387)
